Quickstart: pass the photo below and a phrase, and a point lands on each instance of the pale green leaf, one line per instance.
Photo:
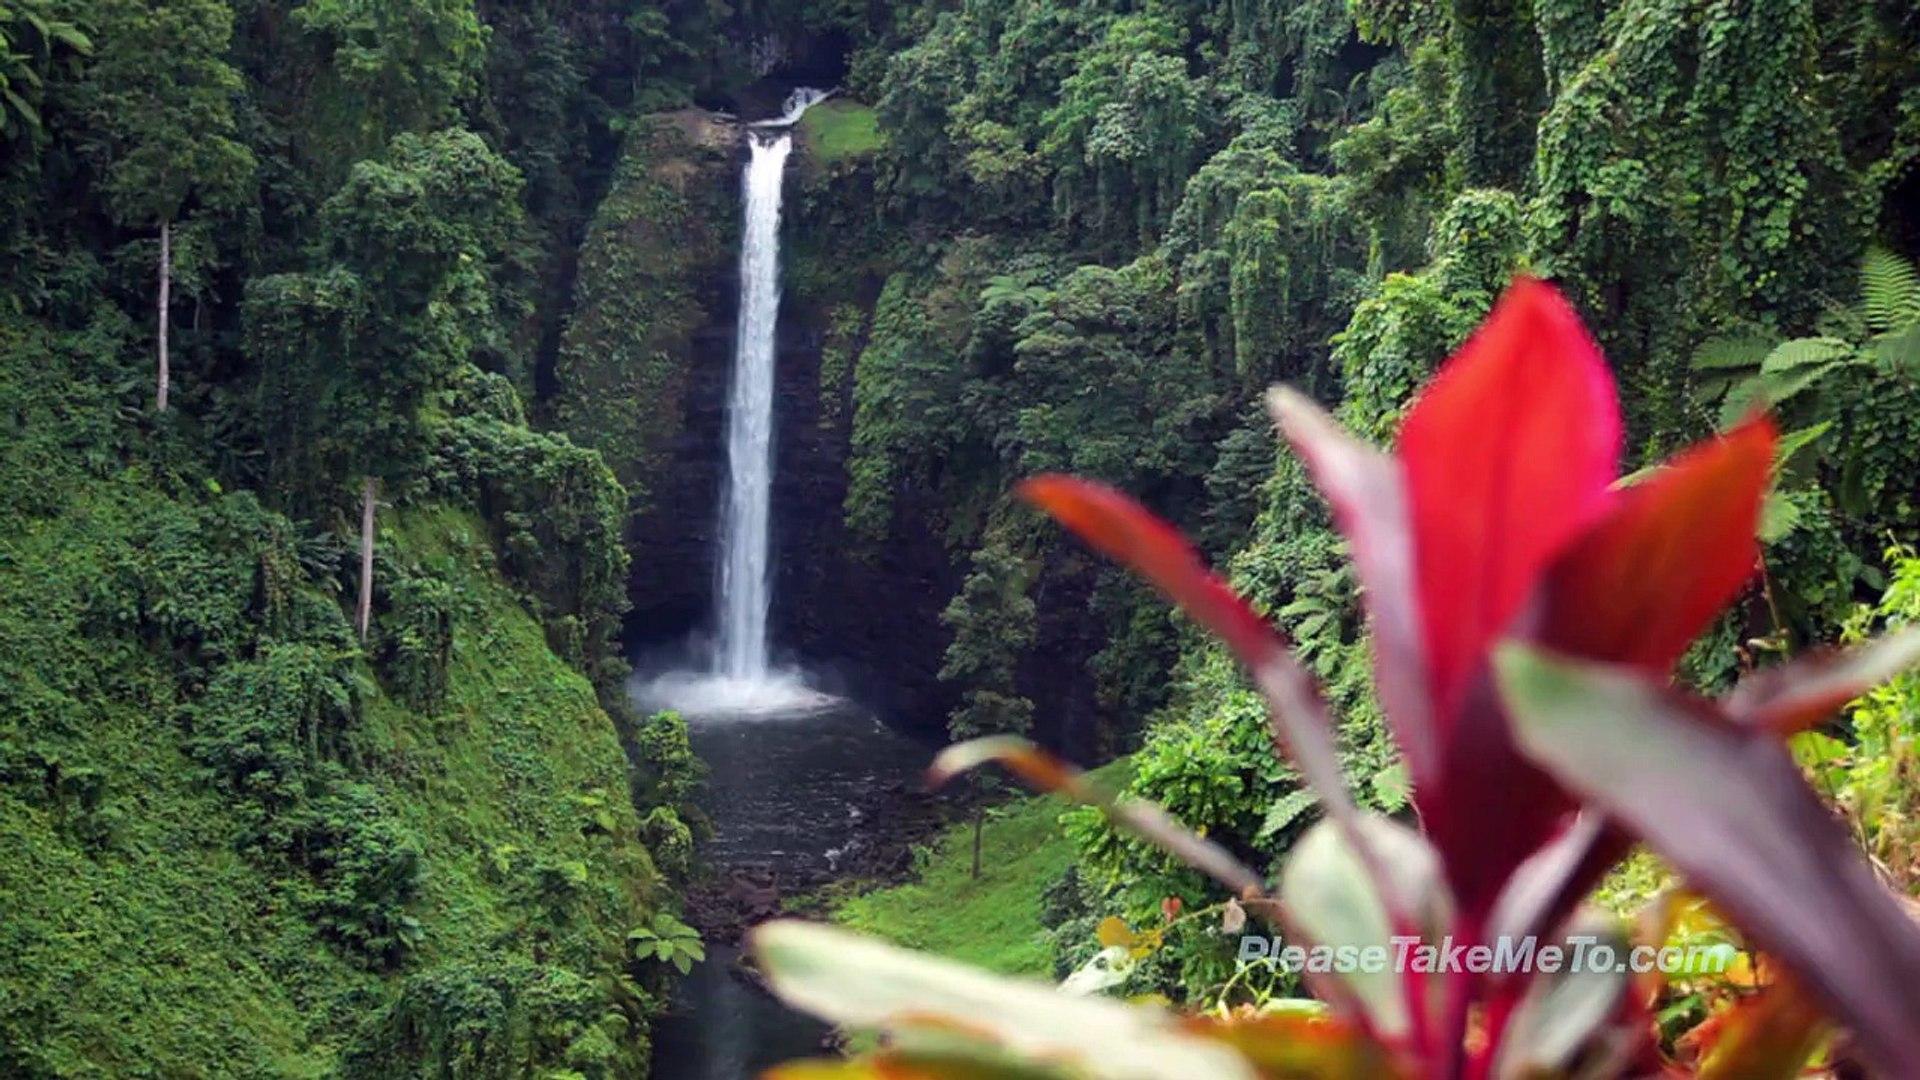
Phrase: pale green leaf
(1889, 290)
(1285, 811)
(859, 982)
(1801, 352)
(1333, 901)
(1732, 352)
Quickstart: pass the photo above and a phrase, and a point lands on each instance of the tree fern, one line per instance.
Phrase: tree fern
(1889, 291)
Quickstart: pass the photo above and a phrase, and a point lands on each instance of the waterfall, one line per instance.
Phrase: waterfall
(745, 586)
(740, 675)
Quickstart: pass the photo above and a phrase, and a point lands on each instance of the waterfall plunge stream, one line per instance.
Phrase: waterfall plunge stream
(741, 676)
(791, 793)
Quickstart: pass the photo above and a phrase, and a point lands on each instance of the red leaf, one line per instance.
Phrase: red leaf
(1127, 532)
(1727, 806)
(1496, 808)
(1131, 534)
(1508, 455)
(1643, 582)
(1147, 820)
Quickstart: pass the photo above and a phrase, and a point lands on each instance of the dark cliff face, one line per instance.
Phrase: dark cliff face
(870, 613)
(646, 347)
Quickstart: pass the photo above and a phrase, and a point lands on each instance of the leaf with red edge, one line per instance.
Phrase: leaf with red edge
(1802, 692)
(1129, 533)
(1364, 490)
(1547, 888)
(1152, 824)
(1644, 581)
(1508, 455)
(1726, 805)
(1331, 898)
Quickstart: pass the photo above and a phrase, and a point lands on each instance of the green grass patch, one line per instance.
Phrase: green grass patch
(993, 921)
(837, 129)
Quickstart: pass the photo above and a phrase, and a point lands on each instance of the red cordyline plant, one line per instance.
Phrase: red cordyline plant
(1527, 609)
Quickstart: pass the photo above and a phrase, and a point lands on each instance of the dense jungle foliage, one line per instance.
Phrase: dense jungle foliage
(1101, 229)
(268, 266)
(257, 260)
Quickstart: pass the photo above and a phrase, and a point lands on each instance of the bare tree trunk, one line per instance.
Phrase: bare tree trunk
(166, 302)
(979, 819)
(363, 615)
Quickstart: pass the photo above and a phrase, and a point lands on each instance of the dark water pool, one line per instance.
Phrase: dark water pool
(787, 790)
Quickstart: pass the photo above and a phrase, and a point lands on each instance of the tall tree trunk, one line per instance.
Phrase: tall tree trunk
(363, 615)
(166, 302)
(979, 819)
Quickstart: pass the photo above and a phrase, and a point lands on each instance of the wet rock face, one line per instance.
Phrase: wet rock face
(871, 610)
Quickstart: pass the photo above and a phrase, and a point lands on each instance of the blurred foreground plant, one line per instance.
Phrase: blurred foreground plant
(1527, 609)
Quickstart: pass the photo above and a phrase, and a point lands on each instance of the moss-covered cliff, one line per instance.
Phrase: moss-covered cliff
(235, 841)
(651, 280)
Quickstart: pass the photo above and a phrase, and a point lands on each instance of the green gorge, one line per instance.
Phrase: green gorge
(364, 371)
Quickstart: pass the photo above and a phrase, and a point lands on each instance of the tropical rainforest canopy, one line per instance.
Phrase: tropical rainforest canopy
(356, 375)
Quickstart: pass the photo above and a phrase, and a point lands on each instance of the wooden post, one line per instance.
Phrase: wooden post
(979, 820)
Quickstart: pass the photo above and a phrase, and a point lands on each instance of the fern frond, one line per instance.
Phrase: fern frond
(1801, 352)
(1779, 517)
(1285, 811)
(1731, 352)
(1898, 351)
(1889, 290)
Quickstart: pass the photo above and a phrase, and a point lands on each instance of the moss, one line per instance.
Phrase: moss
(225, 847)
(665, 229)
(837, 129)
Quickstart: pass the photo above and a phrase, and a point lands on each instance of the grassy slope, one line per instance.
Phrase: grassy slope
(512, 769)
(141, 933)
(992, 922)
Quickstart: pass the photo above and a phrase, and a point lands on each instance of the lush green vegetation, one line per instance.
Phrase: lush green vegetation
(235, 834)
(314, 757)
(1104, 229)
(340, 340)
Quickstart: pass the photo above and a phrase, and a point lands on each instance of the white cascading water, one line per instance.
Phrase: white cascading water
(741, 676)
(746, 588)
